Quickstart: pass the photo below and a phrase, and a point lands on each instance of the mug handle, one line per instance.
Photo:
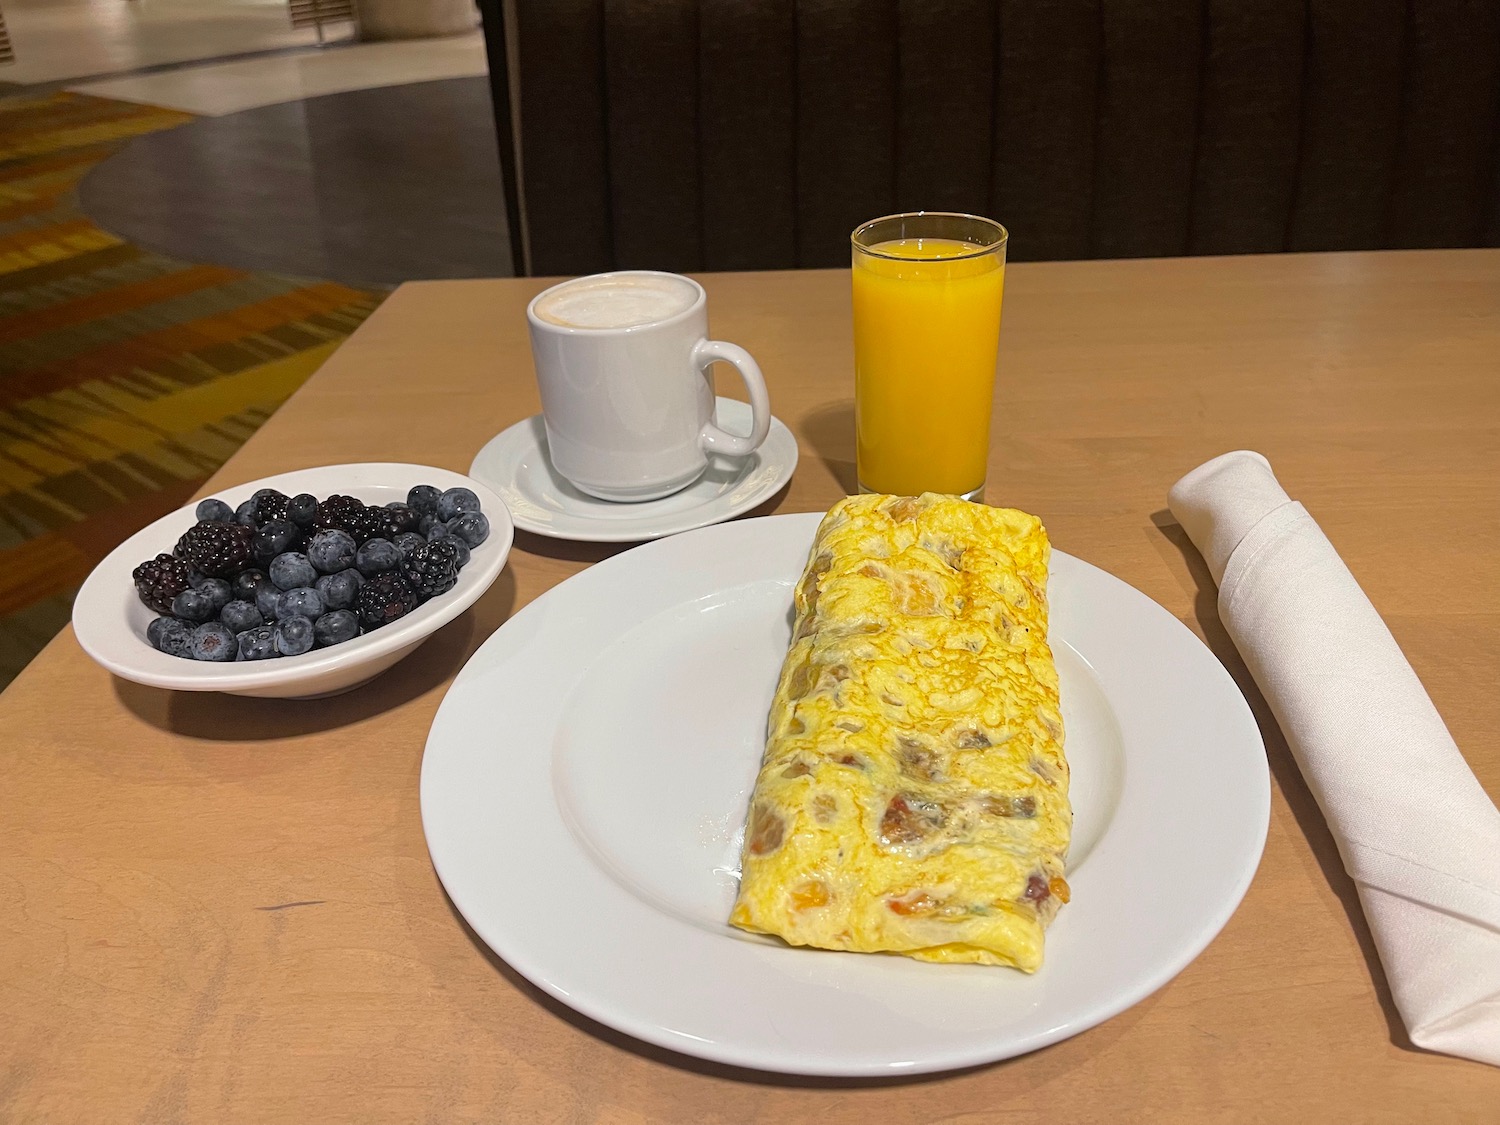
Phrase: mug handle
(711, 438)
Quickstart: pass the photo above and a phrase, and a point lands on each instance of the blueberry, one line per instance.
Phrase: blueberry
(455, 501)
(241, 615)
(218, 593)
(331, 551)
(302, 509)
(407, 542)
(245, 513)
(338, 591)
(472, 527)
(213, 641)
(275, 537)
(258, 643)
(294, 636)
(246, 582)
(196, 578)
(192, 605)
(172, 636)
(266, 597)
(335, 628)
(215, 510)
(292, 570)
(438, 530)
(304, 601)
(426, 524)
(462, 560)
(376, 555)
(423, 499)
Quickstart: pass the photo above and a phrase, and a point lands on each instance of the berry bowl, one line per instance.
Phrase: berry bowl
(110, 620)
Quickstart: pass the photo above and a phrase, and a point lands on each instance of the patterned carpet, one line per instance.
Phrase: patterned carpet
(126, 378)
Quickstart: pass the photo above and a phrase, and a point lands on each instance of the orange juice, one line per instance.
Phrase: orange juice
(926, 330)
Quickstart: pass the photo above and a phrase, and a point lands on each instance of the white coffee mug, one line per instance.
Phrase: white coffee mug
(622, 362)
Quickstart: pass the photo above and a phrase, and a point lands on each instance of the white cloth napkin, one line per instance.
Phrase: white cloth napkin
(1415, 828)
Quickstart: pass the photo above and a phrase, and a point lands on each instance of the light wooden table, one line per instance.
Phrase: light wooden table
(221, 910)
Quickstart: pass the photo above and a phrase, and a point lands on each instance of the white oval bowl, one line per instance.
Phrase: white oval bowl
(110, 620)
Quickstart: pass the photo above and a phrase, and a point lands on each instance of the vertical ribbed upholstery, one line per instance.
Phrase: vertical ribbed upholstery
(651, 79)
(749, 134)
(1046, 91)
(945, 129)
(747, 130)
(846, 122)
(1249, 126)
(1145, 127)
(1351, 123)
(562, 136)
(1445, 169)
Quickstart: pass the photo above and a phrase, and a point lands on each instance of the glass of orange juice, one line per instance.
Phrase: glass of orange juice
(927, 292)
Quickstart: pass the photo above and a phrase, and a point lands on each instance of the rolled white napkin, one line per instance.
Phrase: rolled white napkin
(1415, 828)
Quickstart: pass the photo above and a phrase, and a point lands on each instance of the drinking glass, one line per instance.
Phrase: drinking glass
(927, 293)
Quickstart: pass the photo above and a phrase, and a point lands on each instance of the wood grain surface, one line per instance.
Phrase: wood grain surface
(216, 909)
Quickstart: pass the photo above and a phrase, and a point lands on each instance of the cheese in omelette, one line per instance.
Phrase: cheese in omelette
(913, 797)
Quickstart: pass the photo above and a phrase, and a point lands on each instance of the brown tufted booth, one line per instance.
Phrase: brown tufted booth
(750, 134)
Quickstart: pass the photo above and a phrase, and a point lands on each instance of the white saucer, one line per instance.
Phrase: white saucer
(515, 464)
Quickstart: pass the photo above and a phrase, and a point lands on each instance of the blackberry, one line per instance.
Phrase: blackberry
(370, 523)
(161, 579)
(219, 550)
(339, 512)
(432, 570)
(270, 505)
(383, 599)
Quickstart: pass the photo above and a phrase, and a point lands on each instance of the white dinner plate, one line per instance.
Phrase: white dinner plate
(586, 778)
(515, 464)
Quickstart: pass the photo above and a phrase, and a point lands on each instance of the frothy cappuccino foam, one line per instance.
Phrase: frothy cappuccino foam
(615, 302)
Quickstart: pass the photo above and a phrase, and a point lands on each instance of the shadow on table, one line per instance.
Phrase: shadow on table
(1283, 766)
(829, 429)
(217, 717)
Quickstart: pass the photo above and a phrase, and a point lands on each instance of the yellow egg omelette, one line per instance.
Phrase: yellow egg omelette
(913, 797)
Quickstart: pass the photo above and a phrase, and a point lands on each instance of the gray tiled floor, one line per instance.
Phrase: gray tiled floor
(371, 187)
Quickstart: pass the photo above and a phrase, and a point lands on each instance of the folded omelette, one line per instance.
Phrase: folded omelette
(913, 797)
